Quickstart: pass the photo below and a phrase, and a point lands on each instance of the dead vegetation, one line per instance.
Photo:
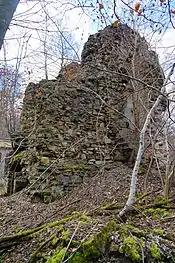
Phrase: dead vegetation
(83, 226)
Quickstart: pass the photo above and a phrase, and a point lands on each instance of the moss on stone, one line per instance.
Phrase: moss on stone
(1, 258)
(77, 258)
(158, 231)
(155, 252)
(57, 257)
(54, 241)
(129, 241)
(96, 245)
(136, 231)
(84, 219)
(112, 206)
(132, 249)
(159, 199)
(103, 236)
(123, 232)
(56, 224)
(16, 228)
(66, 235)
(157, 213)
(17, 157)
(131, 245)
(141, 170)
(90, 249)
(75, 213)
(44, 160)
(62, 221)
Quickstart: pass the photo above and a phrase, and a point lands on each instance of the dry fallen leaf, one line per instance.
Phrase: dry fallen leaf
(116, 22)
(137, 6)
(131, 11)
(101, 6)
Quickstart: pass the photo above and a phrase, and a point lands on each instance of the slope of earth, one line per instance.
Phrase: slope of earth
(83, 226)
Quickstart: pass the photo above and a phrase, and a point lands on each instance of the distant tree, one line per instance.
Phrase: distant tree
(10, 93)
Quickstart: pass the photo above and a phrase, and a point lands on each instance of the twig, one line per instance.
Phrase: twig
(167, 218)
(70, 241)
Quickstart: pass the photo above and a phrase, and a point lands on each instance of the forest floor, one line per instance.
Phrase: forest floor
(100, 197)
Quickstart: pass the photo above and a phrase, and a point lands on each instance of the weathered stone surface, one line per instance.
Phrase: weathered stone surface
(90, 117)
(5, 148)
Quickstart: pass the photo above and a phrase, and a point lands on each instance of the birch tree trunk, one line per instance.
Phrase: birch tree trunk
(140, 152)
(7, 9)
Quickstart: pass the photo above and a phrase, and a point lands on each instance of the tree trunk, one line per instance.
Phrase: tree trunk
(7, 9)
(133, 185)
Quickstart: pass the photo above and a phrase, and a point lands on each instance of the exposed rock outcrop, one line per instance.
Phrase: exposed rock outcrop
(89, 117)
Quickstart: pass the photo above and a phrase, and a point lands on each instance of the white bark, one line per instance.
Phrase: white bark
(140, 152)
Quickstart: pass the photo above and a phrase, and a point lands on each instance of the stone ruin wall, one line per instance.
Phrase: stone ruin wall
(76, 124)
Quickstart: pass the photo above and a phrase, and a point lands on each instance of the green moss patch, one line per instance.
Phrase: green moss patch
(123, 240)
(103, 237)
(155, 252)
(57, 257)
(96, 245)
(157, 213)
(17, 157)
(44, 160)
(77, 258)
(131, 249)
(90, 249)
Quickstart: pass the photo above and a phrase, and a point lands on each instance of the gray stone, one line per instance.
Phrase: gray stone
(99, 162)
(68, 118)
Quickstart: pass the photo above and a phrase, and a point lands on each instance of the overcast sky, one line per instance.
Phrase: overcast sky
(24, 39)
(27, 30)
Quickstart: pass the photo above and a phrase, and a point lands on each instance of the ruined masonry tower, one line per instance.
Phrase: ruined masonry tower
(91, 114)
